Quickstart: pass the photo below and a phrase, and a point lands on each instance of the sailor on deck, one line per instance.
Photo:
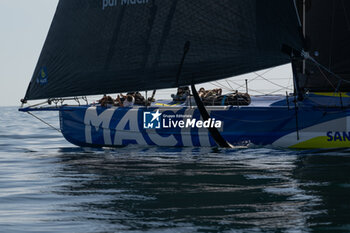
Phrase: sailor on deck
(106, 101)
(208, 93)
(128, 102)
(182, 94)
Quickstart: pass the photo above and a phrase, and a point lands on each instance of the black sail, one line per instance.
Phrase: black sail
(327, 26)
(110, 46)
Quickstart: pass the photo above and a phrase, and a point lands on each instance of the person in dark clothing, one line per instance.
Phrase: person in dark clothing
(182, 94)
(105, 101)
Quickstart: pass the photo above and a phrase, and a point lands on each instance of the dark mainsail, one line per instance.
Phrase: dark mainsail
(327, 27)
(109, 46)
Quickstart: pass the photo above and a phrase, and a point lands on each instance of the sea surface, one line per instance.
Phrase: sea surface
(49, 185)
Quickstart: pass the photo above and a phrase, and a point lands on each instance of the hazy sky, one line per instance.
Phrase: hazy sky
(24, 25)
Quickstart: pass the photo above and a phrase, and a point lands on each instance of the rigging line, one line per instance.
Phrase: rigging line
(282, 87)
(223, 86)
(51, 126)
(269, 81)
(242, 80)
(335, 89)
(338, 88)
(229, 85)
(252, 90)
(285, 88)
(325, 76)
(249, 81)
(237, 84)
(35, 105)
(211, 83)
(307, 56)
(219, 86)
(260, 75)
(297, 12)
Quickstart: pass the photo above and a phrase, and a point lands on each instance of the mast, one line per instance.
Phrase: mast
(297, 61)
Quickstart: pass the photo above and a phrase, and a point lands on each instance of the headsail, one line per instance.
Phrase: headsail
(109, 46)
(327, 27)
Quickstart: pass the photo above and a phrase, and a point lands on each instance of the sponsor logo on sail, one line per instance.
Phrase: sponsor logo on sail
(42, 76)
(114, 3)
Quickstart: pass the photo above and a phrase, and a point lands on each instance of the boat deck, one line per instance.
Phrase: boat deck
(264, 101)
(256, 101)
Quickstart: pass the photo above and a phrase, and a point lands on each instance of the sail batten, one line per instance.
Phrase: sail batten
(96, 46)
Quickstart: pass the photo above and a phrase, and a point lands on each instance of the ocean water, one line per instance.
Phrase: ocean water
(49, 185)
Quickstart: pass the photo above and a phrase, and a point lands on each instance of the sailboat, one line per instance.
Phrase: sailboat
(109, 46)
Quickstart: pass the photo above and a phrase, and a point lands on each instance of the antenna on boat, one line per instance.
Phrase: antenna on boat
(146, 102)
(246, 86)
(287, 98)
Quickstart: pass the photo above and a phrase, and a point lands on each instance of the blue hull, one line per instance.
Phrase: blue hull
(275, 124)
